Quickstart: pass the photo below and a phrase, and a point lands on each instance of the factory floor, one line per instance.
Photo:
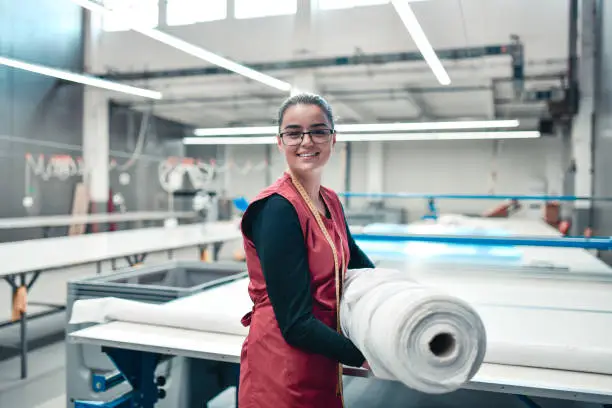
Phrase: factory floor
(46, 382)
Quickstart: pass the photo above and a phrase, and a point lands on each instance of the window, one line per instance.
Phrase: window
(145, 11)
(344, 4)
(183, 12)
(264, 8)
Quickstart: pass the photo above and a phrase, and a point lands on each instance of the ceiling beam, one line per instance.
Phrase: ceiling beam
(340, 94)
(311, 63)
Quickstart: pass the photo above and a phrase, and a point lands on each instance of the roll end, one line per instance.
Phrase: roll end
(443, 345)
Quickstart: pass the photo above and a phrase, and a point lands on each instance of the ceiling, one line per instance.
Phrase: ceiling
(361, 93)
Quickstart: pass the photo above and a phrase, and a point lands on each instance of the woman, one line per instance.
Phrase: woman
(297, 247)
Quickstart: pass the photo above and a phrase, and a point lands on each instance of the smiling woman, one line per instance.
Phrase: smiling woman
(298, 248)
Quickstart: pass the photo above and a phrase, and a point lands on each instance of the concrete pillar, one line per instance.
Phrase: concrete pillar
(95, 124)
(582, 129)
(603, 126)
(227, 174)
(375, 165)
(556, 165)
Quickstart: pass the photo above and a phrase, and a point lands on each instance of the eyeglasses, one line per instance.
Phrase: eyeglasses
(295, 137)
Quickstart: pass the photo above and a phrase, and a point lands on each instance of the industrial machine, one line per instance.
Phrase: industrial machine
(374, 213)
(92, 377)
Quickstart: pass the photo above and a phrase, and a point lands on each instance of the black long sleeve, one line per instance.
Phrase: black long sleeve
(358, 259)
(279, 241)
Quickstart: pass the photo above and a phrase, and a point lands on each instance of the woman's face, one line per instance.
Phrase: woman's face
(312, 152)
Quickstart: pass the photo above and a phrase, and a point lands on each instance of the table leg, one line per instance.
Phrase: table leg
(24, 338)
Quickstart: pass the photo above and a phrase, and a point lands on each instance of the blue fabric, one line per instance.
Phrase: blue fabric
(439, 251)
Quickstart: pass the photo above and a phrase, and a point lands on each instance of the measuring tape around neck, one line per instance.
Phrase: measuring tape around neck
(338, 269)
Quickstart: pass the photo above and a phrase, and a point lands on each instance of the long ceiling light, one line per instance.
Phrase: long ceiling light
(403, 9)
(80, 78)
(370, 127)
(368, 137)
(186, 47)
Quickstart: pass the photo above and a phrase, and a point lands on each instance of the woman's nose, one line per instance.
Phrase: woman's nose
(306, 139)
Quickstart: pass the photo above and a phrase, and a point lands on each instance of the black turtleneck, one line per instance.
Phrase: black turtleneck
(275, 230)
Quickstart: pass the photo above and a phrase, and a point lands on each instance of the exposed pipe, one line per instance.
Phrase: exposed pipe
(350, 60)
(387, 93)
(572, 67)
(347, 171)
(597, 82)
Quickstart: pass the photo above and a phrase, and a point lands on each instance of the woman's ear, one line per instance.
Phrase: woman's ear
(279, 143)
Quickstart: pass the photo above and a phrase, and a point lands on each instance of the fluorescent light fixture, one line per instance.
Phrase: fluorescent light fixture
(230, 140)
(389, 137)
(416, 126)
(237, 131)
(367, 137)
(185, 46)
(79, 78)
(369, 127)
(403, 9)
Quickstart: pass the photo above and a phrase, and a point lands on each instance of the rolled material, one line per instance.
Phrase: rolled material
(209, 310)
(408, 332)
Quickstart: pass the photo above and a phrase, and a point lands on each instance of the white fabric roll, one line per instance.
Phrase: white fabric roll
(205, 311)
(408, 332)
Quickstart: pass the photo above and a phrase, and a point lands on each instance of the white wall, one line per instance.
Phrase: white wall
(461, 167)
(464, 167)
(250, 183)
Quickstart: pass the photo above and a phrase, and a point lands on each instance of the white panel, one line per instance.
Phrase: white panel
(358, 172)
(333, 177)
(182, 12)
(145, 11)
(263, 8)
(375, 167)
(464, 167)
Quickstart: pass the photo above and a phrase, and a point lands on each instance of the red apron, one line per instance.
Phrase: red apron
(273, 373)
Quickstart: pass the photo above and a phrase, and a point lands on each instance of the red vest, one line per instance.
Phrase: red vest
(273, 373)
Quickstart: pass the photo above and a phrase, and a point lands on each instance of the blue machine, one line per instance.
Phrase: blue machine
(393, 249)
(138, 369)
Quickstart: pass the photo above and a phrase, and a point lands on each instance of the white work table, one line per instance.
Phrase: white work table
(32, 257)
(170, 341)
(546, 259)
(573, 297)
(51, 253)
(65, 220)
(548, 336)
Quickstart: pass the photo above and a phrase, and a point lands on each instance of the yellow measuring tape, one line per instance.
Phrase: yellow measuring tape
(20, 303)
(337, 269)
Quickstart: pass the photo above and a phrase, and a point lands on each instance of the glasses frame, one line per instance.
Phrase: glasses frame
(303, 133)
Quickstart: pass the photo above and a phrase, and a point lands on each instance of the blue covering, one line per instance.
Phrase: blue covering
(395, 250)
(241, 203)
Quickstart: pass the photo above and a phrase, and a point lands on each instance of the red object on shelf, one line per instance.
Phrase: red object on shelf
(110, 208)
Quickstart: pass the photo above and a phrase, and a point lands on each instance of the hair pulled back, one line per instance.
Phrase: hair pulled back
(306, 99)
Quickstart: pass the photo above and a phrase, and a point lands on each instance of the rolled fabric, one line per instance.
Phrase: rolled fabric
(417, 335)
(209, 310)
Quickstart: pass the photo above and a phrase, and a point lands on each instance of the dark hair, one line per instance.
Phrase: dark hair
(306, 99)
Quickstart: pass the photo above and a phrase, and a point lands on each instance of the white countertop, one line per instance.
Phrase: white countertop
(65, 220)
(51, 253)
(225, 347)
